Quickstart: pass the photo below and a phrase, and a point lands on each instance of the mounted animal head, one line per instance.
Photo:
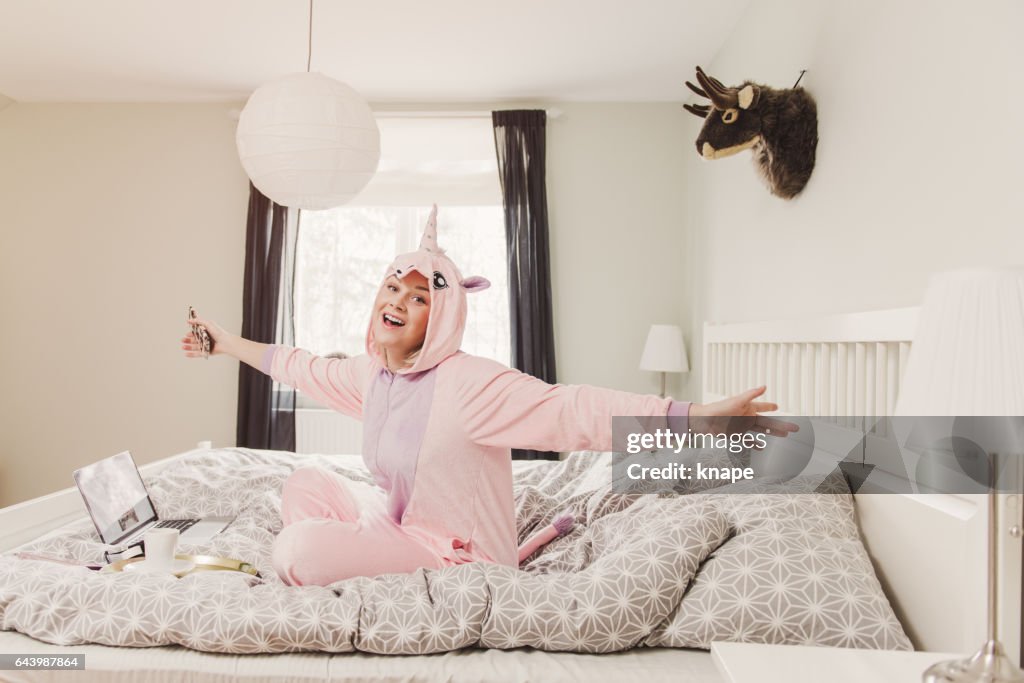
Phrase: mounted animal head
(779, 126)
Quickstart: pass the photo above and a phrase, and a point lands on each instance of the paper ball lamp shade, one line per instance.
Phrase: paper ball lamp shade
(308, 141)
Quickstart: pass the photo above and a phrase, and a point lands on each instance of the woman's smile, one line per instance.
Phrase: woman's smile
(403, 309)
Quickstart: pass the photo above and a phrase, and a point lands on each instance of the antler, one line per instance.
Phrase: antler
(720, 96)
(712, 79)
(700, 110)
(695, 89)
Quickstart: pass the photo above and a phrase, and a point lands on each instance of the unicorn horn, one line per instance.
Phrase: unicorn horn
(429, 239)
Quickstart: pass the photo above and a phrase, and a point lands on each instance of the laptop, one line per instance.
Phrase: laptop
(121, 509)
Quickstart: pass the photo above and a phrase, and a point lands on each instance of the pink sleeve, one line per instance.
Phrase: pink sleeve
(335, 382)
(507, 408)
(268, 358)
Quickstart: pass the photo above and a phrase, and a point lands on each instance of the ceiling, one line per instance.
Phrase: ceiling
(390, 50)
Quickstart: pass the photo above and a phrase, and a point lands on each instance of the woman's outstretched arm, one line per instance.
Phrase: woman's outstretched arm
(249, 352)
(504, 407)
(334, 382)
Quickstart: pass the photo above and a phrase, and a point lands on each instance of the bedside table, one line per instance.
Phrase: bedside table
(750, 662)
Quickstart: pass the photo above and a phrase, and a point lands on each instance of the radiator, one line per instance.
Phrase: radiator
(325, 431)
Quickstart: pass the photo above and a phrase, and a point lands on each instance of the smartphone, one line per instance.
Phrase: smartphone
(200, 334)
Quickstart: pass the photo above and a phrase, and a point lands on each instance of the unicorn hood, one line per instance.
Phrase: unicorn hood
(447, 320)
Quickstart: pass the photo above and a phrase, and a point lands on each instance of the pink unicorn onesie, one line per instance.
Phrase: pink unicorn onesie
(437, 437)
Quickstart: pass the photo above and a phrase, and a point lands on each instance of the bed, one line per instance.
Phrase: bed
(839, 365)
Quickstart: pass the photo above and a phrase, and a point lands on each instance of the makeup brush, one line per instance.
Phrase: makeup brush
(560, 526)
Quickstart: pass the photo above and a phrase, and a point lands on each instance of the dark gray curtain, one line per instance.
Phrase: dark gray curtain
(519, 139)
(266, 411)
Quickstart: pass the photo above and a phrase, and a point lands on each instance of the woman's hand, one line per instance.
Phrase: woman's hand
(219, 338)
(223, 342)
(739, 413)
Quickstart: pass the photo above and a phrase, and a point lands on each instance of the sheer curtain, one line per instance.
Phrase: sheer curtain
(266, 410)
(519, 139)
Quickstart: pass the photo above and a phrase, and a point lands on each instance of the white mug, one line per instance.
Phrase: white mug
(161, 546)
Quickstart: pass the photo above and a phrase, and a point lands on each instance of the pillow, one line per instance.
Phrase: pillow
(795, 573)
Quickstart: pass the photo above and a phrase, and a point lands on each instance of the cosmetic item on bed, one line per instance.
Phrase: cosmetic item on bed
(58, 560)
(560, 526)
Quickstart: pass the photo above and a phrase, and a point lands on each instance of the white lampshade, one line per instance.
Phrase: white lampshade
(967, 357)
(308, 141)
(665, 350)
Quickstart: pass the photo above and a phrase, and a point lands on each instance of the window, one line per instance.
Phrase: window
(342, 253)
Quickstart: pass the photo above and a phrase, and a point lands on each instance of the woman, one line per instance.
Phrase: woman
(438, 428)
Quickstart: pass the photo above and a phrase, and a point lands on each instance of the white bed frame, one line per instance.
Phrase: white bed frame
(929, 551)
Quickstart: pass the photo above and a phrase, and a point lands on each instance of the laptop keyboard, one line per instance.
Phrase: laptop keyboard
(180, 524)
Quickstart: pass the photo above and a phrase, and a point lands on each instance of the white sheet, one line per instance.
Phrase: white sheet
(165, 664)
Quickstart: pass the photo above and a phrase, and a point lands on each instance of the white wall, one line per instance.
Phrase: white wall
(616, 196)
(918, 165)
(115, 218)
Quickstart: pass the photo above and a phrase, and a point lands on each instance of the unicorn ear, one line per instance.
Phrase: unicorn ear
(475, 283)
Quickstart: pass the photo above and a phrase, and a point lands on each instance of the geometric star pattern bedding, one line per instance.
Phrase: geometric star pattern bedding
(796, 572)
(624, 577)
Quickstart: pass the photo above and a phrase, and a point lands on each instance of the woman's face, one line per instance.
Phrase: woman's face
(401, 312)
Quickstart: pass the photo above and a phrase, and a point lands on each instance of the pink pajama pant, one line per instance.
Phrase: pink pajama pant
(327, 537)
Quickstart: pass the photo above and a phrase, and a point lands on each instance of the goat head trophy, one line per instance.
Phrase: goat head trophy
(779, 126)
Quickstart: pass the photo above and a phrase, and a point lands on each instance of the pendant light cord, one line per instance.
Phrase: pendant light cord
(309, 42)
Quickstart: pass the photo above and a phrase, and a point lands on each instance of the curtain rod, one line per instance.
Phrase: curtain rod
(552, 113)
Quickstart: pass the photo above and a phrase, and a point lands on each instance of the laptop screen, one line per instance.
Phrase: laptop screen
(115, 496)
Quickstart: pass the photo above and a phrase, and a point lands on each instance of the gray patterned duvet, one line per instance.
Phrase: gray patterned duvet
(677, 571)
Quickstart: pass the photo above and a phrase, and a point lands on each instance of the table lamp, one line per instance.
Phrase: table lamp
(967, 359)
(665, 351)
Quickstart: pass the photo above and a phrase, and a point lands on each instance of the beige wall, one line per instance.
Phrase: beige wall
(615, 196)
(117, 217)
(918, 165)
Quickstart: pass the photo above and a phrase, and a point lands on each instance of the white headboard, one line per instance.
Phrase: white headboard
(835, 365)
(929, 550)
